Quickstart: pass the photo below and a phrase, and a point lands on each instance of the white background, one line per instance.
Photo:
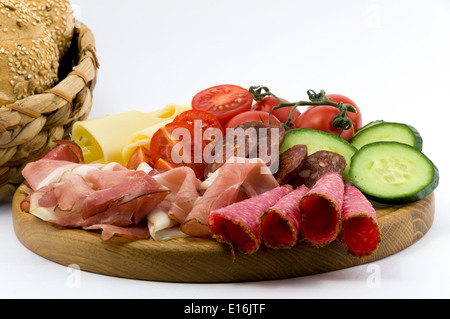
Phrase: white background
(391, 57)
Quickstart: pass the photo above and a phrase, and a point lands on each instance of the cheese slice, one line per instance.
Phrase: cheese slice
(104, 139)
(144, 136)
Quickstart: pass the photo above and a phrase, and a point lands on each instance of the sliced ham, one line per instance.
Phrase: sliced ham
(237, 224)
(184, 191)
(252, 174)
(280, 225)
(321, 208)
(360, 233)
(71, 194)
(133, 231)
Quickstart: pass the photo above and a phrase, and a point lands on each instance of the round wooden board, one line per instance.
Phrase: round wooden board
(204, 260)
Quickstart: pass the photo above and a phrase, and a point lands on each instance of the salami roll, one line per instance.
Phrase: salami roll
(360, 233)
(320, 210)
(237, 224)
(280, 224)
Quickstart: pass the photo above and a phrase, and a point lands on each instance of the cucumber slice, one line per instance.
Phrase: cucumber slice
(388, 131)
(393, 173)
(369, 125)
(317, 140)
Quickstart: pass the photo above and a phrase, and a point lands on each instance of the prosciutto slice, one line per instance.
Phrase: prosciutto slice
(360, 233)
(237, 224)
(236, 174)
(280, 224)
(184, 191)
(92, 195)
(321, 209)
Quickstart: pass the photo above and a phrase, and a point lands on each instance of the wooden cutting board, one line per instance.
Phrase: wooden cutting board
(204, 260)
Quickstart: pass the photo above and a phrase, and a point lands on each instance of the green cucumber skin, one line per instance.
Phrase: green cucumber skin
(369, 125)
(341, 146)
(365, 132)
(419, 195)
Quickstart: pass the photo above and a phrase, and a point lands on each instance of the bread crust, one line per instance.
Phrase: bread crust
(30, 47)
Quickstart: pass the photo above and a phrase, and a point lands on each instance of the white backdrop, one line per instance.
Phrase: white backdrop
(391, 57)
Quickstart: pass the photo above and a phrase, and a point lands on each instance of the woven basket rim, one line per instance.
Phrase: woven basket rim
(23, 122)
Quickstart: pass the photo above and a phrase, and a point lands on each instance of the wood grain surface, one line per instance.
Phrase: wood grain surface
(203, 260)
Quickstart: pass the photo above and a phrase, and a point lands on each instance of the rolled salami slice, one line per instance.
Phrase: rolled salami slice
(237, 224)
(360, 233)
(320, 210)
(280, 224)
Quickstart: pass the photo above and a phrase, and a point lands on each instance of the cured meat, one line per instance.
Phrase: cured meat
(321, 208)
(237, 173)
(280, 225)
(237, 224)
(76, 195)
(184, 191)
(317, 165)
(290, 163)
(133, 232)
(248, 140)
(360, 233)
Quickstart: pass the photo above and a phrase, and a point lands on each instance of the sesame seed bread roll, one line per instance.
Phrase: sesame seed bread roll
(57, 16)
(28, 54)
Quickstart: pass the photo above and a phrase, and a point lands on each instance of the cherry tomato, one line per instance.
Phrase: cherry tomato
(355, 117)
(140, 155)
(224, 101)
(251, 116)
(209, 122)
(208, 119)
(168, 137)
(269, 102)
(164, 165)
(321, 118)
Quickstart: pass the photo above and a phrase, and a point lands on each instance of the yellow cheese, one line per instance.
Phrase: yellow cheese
(143, 137)
(104, 139)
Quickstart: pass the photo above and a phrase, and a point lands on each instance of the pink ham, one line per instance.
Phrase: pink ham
(132, 232)
(321, 208)
(280, 225)
(184, 191)
(360, 233)
(83, 195)
(237, 224)
(251, 174)
(125, 190)
(42, 172)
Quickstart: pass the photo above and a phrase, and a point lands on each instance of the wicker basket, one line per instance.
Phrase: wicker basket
(30, 126)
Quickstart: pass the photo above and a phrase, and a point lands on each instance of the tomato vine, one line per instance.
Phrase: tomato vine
(341, 121)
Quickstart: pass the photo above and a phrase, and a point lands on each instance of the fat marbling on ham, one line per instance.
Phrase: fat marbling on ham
(91, 196)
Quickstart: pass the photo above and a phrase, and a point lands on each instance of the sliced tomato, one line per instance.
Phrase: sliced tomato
(268, 103)
(140, 155)
(164, 165)
(252, 116)
(177, 144)
(207, 121)
(224, 101)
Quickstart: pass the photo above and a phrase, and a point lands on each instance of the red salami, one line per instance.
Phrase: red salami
(320, 210)
(360, 231)
(280, 224)
(237, 224)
